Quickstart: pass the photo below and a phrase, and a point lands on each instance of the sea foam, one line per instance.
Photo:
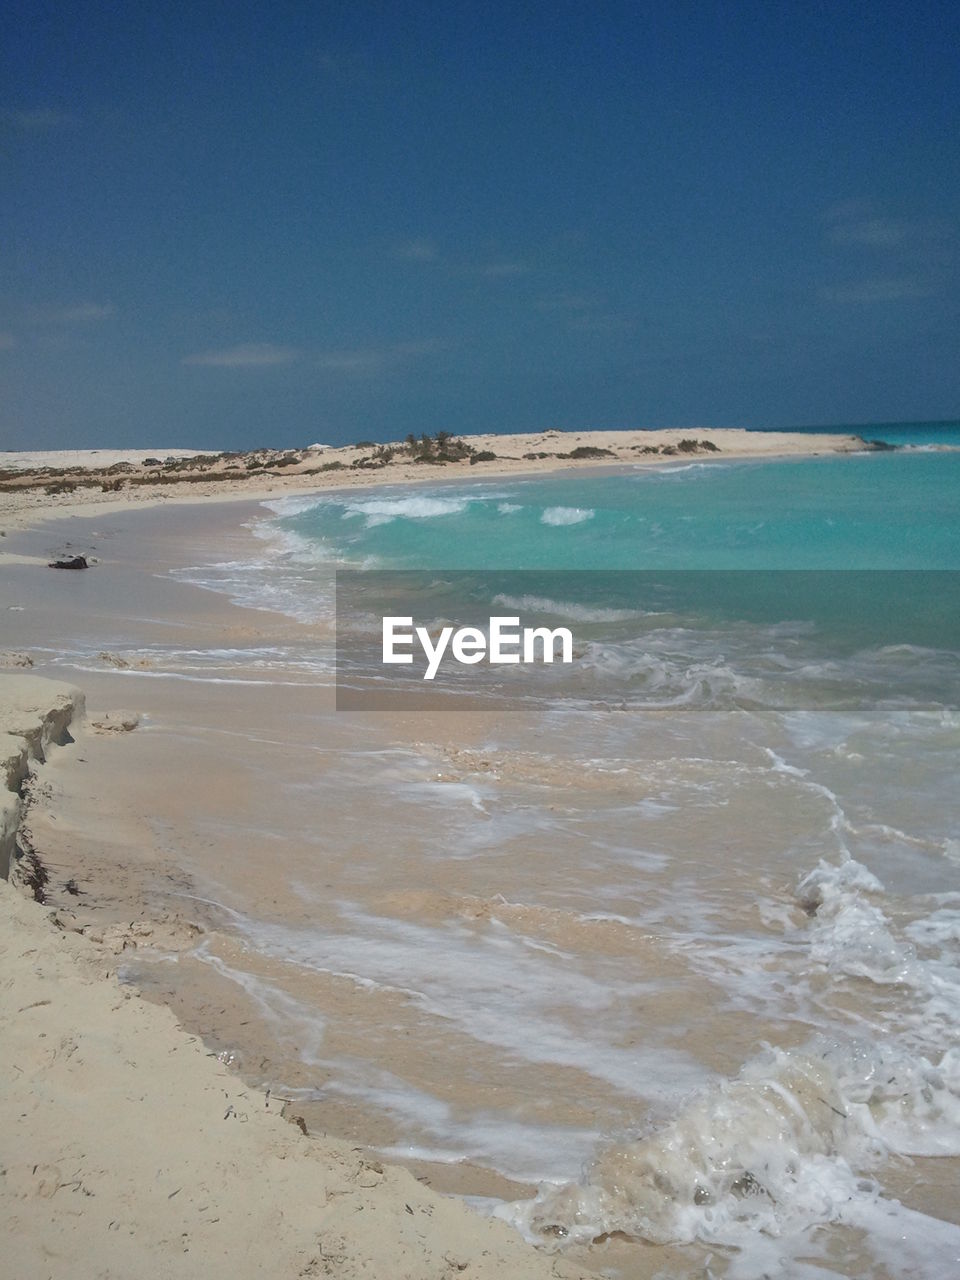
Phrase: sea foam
(567, 515)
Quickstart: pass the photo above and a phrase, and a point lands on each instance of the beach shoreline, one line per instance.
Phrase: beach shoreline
(82, 482)
(136, 845)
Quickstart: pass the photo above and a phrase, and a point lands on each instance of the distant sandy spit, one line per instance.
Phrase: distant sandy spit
(90, 459)
(81, 482)
(128, 1150)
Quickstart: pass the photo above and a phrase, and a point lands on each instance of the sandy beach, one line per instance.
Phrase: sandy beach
(75, 482)
(130, 1150)
(186, 775)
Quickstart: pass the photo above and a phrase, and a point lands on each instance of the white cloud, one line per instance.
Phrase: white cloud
(85, 312)
(879, 289)
(427, 251)
(352, 361)
(247, 355)
(856, 222)
(417, 251)
(569, 302)
(375, 359)
(899, 259)
(71, 313)
(878, 233)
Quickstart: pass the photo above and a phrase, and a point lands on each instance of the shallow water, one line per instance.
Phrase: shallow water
(886, 511)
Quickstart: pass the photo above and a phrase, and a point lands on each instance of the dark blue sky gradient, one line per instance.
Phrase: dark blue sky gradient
(226, 225)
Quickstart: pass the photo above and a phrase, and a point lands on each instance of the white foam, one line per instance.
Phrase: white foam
(295, 506)
(851, 934)
(940, 928)
(677, 468)
(259, 664)
(419, 507)
(293, 576)
(772, 1153)
(567, 515)
(447, 1135)
(293, 1021)
(567, 609)
(287, 545)
(489, 984)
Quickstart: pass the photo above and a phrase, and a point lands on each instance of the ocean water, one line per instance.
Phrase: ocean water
(681, 942)
(886, 511)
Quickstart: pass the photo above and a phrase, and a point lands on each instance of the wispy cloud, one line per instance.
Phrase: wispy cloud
(36, 119)
(889, 233)
(85, 313)
(568, 303)
(883, 258)
(70, 313)
(857, 222)
(372, 360)
(247, 355)
(880, 289)
(459, 266)
(878, 233)
(417, 251)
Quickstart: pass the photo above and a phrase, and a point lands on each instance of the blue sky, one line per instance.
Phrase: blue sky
(225, 225)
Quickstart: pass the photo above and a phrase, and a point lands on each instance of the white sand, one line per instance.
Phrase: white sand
(70, 459)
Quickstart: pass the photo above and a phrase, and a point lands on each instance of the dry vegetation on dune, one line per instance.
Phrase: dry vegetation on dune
(441, 449)
(83, 478)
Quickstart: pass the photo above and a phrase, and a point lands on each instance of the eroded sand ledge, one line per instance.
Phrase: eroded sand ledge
(35, 714)
(128, 1150)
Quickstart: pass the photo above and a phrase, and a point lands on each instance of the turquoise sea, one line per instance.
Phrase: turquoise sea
(877, 511)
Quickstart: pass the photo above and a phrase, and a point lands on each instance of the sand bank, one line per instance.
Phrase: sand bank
(128, 1149)
(78, 482)
(86, 459)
